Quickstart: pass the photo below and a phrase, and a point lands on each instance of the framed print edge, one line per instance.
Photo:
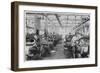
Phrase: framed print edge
(96, 36)
(55, 67)
(15, 34)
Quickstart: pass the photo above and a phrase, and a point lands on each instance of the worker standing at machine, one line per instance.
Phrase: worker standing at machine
(74, 43)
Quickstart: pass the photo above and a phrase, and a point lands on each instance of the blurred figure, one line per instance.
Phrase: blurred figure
(74, 43)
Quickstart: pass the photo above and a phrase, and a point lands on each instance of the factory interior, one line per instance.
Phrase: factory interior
(56, 35)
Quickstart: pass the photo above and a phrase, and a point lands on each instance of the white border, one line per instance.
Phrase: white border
(60, 62)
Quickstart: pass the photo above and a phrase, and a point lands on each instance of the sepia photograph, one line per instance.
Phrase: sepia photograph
(54, 35)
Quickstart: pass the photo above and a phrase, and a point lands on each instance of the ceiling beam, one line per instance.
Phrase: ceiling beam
(58, 20)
